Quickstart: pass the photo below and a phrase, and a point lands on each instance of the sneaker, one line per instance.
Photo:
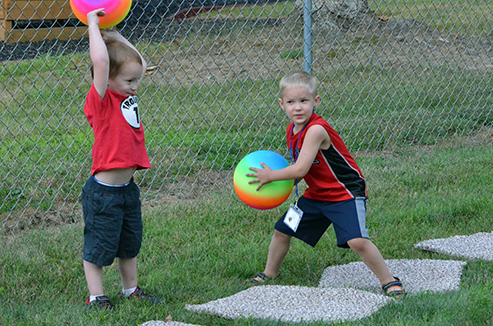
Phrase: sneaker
(102, 303)
(140, 294)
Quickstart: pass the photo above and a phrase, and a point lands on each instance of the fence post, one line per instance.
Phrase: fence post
(307, 36)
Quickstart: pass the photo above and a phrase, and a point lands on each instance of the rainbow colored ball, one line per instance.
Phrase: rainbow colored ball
(270, 195)
(116, 10)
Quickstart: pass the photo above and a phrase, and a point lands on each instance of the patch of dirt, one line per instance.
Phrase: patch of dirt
(262, 48)
(183, 190)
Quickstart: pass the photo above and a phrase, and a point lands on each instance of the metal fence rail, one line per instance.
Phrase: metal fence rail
(393, 75)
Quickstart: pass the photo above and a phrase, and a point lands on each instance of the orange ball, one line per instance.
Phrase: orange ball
(116, 10)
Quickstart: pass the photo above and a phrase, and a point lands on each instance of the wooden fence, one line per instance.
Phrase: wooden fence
(33, 21)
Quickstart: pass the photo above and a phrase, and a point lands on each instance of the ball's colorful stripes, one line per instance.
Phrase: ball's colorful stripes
(270, 195)
(116, 10)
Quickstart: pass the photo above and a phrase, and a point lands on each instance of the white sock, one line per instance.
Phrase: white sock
(93, 297)
(127, 292)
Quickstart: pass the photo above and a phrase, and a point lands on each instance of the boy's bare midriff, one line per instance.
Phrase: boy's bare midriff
(115, 176)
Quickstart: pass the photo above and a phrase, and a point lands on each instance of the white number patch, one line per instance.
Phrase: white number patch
(130, 111)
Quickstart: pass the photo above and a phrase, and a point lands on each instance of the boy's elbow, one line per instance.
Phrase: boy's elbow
(100, 61)
(300, 173)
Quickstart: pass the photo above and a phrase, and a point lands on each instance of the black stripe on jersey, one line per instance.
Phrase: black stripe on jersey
(344, 172)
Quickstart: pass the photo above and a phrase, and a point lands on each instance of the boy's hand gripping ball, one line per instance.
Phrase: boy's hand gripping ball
(270, 195)
(116, 10)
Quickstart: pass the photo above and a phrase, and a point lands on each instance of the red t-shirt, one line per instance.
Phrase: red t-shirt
(119, 140)
(334, 174)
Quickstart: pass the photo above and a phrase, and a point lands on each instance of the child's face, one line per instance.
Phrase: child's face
(299, 104)
(128, 80)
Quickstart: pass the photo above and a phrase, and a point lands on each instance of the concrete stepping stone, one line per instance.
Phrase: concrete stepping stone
(476, 246)
(417, 275)
(295, 304)
(165, 323)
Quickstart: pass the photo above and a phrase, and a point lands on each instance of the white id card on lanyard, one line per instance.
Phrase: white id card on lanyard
(293, 217)
(294, 213)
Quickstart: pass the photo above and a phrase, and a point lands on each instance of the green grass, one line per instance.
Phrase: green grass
(195, 252)
(210, 127)
(292, 54)
(460, 16)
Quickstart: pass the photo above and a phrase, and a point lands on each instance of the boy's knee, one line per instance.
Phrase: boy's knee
(358, 244)
(281, 236)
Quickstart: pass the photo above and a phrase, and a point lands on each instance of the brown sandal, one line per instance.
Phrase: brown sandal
(394, 289)
(263, 278)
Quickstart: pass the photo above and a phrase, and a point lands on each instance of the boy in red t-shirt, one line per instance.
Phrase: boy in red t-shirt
(110, 197)
(336, 191)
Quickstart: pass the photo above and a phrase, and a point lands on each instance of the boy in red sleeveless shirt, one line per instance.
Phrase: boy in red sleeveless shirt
(110, 198)
(336, 191)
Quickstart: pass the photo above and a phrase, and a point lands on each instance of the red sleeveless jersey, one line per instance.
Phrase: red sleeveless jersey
(119, 140)
(334, 174)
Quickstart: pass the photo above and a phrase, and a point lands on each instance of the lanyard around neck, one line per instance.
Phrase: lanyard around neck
(292, 153)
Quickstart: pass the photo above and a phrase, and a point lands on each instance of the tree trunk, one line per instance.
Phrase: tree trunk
(346, 9)
(341, 14)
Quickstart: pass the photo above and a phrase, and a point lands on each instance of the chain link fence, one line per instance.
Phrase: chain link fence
(393, 75)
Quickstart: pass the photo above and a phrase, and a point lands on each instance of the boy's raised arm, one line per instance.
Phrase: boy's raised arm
(98, 52)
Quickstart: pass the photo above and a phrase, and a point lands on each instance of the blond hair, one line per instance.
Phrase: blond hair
(298, 79)
(119, 54)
